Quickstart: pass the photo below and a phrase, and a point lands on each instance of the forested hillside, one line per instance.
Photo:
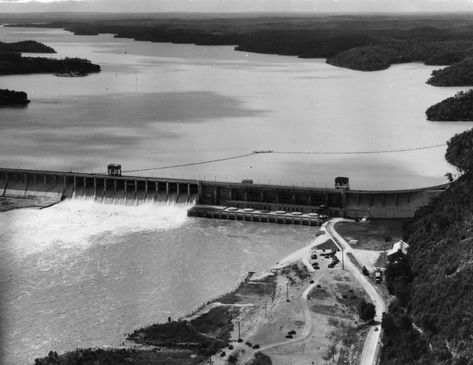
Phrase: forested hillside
(15, 63)
(457, 74)
(26, 47)
(456, 108)
(365, 43)
(436, 289)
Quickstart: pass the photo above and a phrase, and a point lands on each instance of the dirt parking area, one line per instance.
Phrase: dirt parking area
(378, 235)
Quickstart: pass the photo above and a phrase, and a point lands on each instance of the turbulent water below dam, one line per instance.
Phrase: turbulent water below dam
(84, 273)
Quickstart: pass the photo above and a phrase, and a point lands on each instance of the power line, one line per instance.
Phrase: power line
(287, 153)
(357, 152)
(194, 163)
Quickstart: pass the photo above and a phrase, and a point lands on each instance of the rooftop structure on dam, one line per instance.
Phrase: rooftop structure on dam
(340, 201)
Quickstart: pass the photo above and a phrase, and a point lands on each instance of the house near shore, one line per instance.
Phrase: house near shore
(398, 252)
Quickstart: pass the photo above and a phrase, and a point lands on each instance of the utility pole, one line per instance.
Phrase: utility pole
(287, 292)
(343, 261)
(239, 334)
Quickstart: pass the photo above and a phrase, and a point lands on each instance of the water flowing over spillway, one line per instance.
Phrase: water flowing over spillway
(78, 223)
(84, 273)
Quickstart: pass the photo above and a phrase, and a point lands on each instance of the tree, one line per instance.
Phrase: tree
(460, 151)
(388, 324)
(367, 311)
(331, 351)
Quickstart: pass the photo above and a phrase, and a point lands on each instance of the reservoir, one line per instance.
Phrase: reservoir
(82, 274)
(159, 104)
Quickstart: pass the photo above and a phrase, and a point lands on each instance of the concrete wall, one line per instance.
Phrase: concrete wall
(335, 202)
(27, 183)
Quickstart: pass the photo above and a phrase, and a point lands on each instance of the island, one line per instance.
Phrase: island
(455, 108)
(13, 98)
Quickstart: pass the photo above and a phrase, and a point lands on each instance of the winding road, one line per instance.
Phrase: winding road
(368, 356)
(370, 348)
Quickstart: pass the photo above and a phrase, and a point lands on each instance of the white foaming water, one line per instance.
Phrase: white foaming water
(84, 273)
(75, 223)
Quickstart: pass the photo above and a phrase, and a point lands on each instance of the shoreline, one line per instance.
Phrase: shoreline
(243, 325)
(247, 288)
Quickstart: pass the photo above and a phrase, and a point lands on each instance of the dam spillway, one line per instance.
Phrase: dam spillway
(18, 183)
(56, 185)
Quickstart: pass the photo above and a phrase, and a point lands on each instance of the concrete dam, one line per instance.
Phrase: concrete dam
(212, 197)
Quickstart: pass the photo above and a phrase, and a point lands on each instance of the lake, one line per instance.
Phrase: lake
(159, 104)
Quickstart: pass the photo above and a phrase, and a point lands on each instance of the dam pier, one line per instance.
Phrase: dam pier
(224, 200)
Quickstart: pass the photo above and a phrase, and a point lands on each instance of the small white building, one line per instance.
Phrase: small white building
(399, 248)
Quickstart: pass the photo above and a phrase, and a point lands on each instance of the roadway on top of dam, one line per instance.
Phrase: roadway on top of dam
(214, 182)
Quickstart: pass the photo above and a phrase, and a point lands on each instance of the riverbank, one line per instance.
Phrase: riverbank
(289, 313)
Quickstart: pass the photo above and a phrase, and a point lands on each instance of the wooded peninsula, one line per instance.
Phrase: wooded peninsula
(13, 62)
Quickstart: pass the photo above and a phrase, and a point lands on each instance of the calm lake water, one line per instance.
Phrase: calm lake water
(163, 104)
(85, 274)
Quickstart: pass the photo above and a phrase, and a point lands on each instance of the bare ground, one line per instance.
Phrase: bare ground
(378, 235)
